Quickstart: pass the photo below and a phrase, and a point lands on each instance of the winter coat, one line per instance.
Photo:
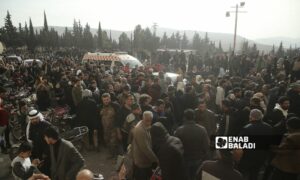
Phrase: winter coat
(194, 139)
(142, 153)
(169, 151)
(207, 119)
(88, 113)
(230, 124)
(261, 132)
(67, 163)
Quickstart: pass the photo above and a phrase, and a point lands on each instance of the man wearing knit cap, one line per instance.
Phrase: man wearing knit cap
(34, 133)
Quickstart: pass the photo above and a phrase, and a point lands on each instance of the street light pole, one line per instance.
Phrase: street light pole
(236, 21)
(235, 26)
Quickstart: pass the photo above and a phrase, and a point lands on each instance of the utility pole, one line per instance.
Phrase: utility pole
(237, 6)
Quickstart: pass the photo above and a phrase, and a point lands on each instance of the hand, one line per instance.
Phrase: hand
(39, 177)
(36, 162)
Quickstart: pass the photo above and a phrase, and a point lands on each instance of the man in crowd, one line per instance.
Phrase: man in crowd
(230, 124)
(66, 161)
(280, 111)
(257, 130)
(77, 91)
(34, 133)
(109, 113)
(169, 151)
(206, 118)
(286, 162)
(195, 143)
(143, 156)
(131, 121)
(4, 118)
(88, 115)
(125, 110)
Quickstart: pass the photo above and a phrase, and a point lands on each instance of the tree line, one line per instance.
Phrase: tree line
(141, 40)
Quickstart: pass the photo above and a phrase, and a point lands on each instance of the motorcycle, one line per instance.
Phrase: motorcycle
(75, 136)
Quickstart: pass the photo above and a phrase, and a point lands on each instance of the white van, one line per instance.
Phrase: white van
(112, 59)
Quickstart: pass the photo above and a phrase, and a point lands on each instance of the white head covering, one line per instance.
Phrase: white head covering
(87, 93)
(199, 79)
(32, 115)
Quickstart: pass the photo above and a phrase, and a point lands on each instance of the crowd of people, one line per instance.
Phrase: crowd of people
(154, 121)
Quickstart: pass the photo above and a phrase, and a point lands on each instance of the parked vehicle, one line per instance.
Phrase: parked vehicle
(28, 62)
(14, 58)
(75, 136)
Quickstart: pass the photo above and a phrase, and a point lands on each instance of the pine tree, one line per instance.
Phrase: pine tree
(172, 41)
(147, 39)
(87, 38)
(45, 23)
(26, 33)
(21, 36)
(178, 40)
(107, 45)
(31, 38)
(220, 49)
(10, 32)
(67, 38)
(164, 41)
(273, 50)
(280, 51)
(124, 42)
(196, 42)
(185, 41)
(99, 37)
(206, 39)
(254, 51)
(138, 38)
(245, 47)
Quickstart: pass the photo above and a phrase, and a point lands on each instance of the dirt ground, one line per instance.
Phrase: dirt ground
(98, 162)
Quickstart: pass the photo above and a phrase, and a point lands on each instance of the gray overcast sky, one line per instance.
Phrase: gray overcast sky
(264, 18)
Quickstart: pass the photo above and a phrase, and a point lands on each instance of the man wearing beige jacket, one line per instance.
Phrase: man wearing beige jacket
(143, 156)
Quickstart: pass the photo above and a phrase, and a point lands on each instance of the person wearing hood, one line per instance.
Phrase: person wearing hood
(34, 134)
(88, 115)
(280, 111)
(169, 151)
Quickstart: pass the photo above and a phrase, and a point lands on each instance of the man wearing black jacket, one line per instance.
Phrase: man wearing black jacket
(169, 151)
(259, 132)
(195, 143)
(88, 115)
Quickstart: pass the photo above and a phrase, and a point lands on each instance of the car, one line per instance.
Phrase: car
(28, 62)
(172, 76)
(14, 58)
